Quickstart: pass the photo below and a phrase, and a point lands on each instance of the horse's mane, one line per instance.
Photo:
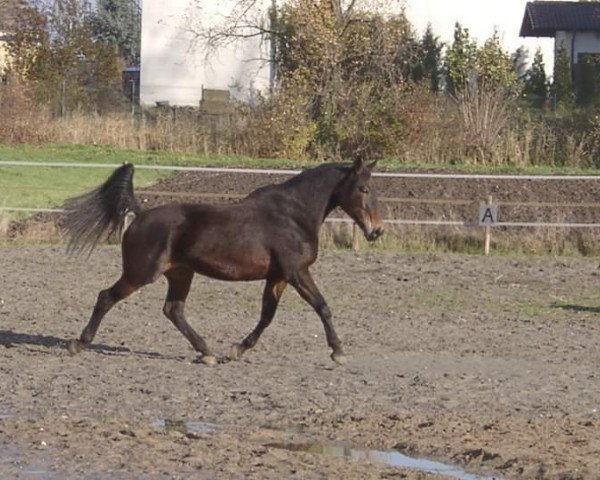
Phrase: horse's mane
(312, 176)
(319, 170)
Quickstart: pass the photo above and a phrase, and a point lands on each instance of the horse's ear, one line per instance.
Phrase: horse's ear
(371, 166)
(358, 165)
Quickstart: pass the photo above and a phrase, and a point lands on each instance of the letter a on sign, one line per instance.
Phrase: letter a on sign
(488, 215)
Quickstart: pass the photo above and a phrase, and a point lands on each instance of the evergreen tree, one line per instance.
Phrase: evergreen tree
(495, 67)
(588, 88)
(461, 60)
(519, 64)
(408, 54)
(432, 58)
(119, 22)
(535, 87)
(562, 88)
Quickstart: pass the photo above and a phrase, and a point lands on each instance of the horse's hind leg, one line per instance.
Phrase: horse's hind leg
(271, 295)
(106, 300)
(180, 280)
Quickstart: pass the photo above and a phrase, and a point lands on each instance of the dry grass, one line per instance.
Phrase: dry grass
(92, 129)
(159, 131)
(470, 240)
(482, 127)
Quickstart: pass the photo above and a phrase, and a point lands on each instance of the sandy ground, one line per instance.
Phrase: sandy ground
(490, 364)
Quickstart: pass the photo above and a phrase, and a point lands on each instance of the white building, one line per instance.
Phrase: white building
(176, 63)
(575, 26)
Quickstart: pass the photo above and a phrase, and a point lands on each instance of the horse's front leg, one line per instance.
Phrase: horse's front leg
(307, 289)
(271, 295)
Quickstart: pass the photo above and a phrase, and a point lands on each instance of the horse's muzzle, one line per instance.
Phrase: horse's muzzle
(374, 234)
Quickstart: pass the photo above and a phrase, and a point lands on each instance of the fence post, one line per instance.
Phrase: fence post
(355, 238)
(63, 99)
(487, 234)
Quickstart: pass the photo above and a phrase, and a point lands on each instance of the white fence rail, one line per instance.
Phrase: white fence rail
(272, 171)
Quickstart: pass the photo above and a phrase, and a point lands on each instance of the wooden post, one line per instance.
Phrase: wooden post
(132, 102)
(63, 99)
(488, 233)
(355, 238)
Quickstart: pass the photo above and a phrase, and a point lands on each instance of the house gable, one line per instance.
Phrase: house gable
(544, 19)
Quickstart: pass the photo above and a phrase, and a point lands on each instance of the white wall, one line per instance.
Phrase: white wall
(579, 42)
(174, 68)
(3, 54)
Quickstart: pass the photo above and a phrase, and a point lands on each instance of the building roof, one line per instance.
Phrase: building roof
(544, 19)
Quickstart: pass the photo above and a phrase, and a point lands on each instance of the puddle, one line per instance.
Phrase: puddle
(184, 426)
(30, 466)
(40, 474)
(391, 458)
(290, 430)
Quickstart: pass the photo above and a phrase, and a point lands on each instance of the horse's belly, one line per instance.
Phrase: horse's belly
(234, 268)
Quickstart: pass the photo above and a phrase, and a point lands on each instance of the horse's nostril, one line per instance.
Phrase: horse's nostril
(375, 234)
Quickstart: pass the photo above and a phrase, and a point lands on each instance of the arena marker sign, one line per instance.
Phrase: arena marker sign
(488, 217)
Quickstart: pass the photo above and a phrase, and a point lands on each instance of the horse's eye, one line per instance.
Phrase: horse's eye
(364, 189)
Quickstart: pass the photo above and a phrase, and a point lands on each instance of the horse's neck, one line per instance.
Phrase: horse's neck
(318, 193)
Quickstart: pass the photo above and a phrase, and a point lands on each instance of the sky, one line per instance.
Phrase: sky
(480, 17)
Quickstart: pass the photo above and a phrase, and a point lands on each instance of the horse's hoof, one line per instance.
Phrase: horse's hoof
(74, 346)
(208, 360)
(339, 358)
(236, 352)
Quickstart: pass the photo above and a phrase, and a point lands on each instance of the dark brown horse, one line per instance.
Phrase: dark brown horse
(272, 234)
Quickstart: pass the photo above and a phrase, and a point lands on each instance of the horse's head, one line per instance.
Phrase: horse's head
(357, 197)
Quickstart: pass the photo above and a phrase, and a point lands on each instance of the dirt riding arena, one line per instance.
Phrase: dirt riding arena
(490, 365)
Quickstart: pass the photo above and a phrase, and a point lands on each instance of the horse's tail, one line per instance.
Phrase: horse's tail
(101, 212)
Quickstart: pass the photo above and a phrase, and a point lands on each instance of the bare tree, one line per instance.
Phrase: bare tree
(240, 19)
(485, 113)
